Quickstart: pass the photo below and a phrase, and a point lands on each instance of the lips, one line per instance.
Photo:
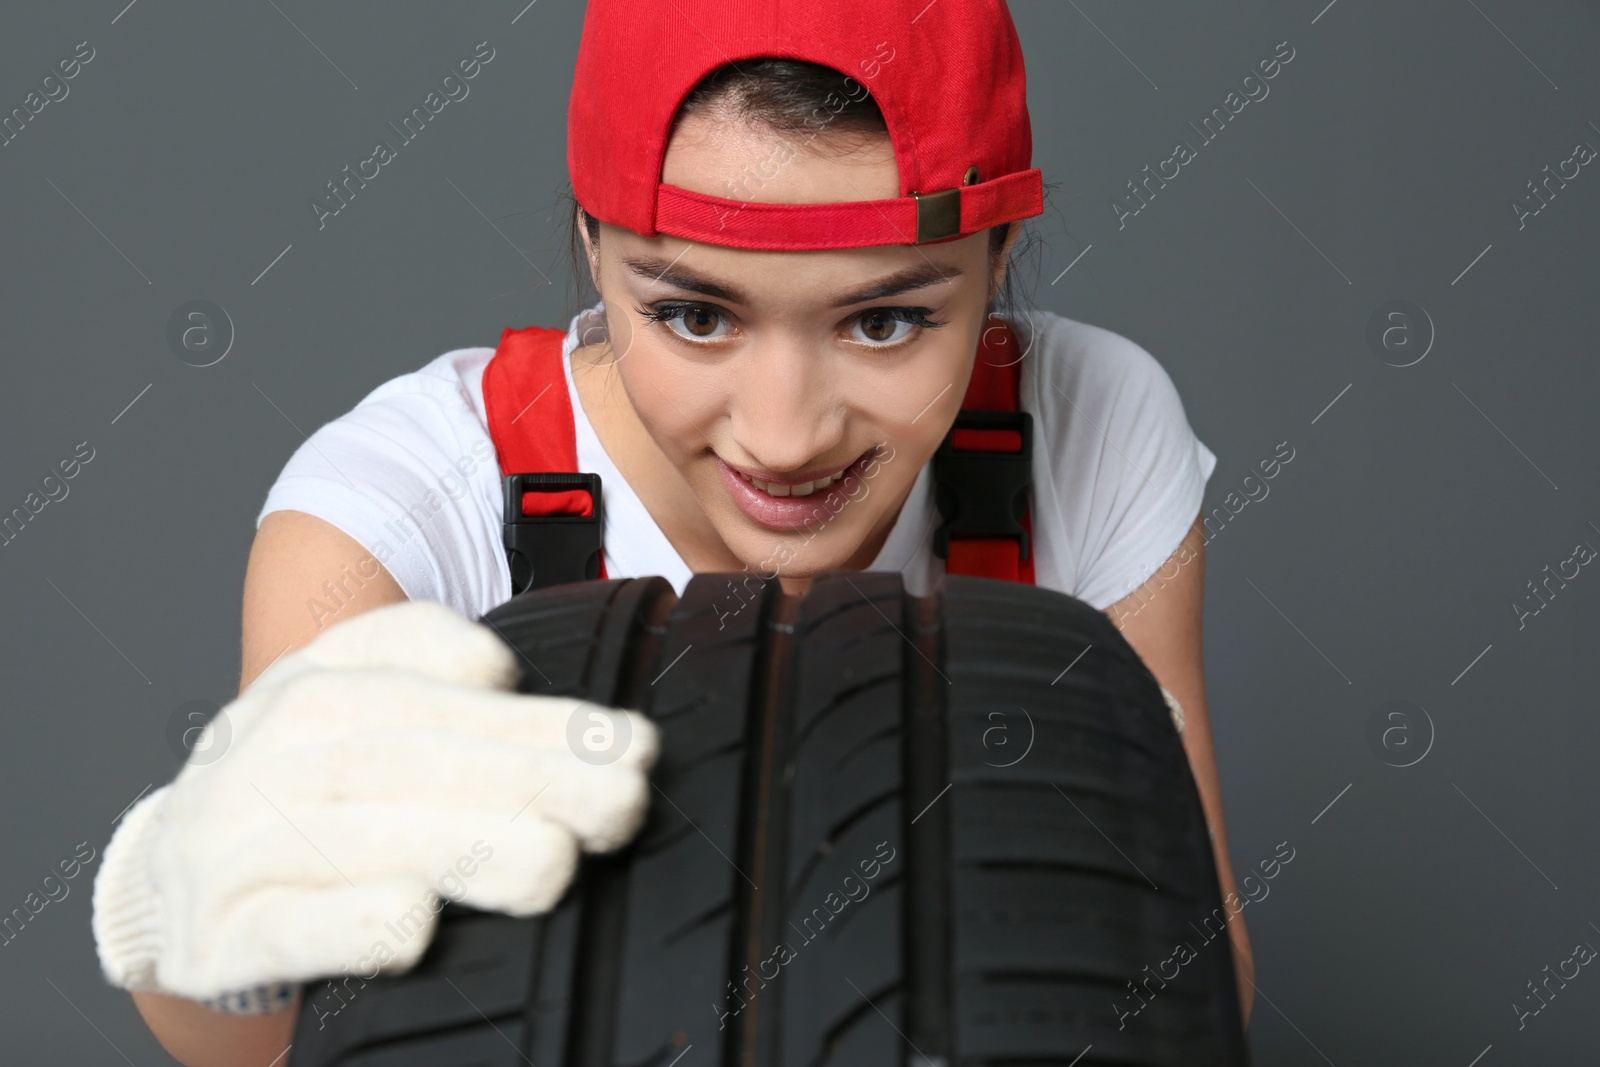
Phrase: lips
(790, 505)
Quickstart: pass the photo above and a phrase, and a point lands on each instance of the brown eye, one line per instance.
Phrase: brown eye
(878, 325)
(689, 322)
(700, 321)
(887, 328)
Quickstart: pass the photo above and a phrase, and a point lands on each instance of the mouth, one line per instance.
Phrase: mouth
(791, 505)
(816, 485)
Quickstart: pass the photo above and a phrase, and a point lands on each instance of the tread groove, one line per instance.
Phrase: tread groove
(758, 818)
(926, 833)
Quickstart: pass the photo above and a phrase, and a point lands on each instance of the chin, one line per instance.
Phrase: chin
(772, 553)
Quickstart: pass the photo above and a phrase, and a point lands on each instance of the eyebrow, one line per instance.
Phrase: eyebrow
(662, 270)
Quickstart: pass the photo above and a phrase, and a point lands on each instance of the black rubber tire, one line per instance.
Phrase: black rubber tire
(972, 854)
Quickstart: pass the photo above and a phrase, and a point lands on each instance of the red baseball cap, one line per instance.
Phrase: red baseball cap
(947, 74)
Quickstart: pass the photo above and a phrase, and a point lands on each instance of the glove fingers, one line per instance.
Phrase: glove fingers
(457, 776)
(520, 863)
(350, 702)
(421, 636)
(528, 871)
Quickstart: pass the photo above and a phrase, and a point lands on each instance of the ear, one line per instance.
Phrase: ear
(590, 251)
(1003, 259)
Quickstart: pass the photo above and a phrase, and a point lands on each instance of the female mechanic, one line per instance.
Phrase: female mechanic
(799, 223)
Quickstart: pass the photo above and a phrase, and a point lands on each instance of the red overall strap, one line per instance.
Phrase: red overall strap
(994, 386)
(530, 417)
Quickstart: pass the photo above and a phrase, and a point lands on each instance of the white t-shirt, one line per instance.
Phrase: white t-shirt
(410, 474)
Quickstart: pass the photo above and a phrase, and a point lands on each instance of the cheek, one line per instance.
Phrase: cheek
(909, 413)
(920, 407)
(673, 397)
(908, 445)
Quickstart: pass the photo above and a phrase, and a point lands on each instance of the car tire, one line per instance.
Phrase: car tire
(941, 831)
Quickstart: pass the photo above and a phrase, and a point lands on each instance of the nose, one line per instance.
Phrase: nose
(787, 417)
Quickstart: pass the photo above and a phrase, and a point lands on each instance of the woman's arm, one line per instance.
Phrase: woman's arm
(1161, 620)
(286, 600)
(285, 606)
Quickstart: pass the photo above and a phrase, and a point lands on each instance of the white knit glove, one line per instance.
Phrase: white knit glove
(1175, 708)
(372, 773)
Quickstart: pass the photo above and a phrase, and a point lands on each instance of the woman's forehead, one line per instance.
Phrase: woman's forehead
(718, 154)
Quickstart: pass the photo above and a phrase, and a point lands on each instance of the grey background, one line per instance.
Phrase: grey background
(1382, 566)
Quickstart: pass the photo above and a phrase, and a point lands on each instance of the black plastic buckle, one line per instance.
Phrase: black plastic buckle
(983, 494)
(548, 550)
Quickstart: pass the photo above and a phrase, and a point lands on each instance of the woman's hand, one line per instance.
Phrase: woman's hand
(363, 769)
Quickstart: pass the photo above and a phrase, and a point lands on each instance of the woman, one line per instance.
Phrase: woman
(781, 320)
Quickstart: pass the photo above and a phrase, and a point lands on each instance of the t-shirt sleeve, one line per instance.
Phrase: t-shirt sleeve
(1125, 461)
(411, 475)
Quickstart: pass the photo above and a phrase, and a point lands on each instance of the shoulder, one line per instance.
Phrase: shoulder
(1118, 470)
(410, 473)
(407, 431)
(1073, 362)
(401, 421)
(412, 418)
(451, 383)
(1085, 383)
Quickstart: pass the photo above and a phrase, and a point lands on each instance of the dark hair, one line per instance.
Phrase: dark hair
(785, 95)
